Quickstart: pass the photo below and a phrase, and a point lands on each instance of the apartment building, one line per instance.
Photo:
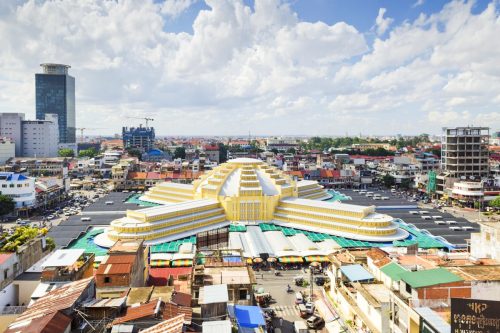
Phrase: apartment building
(464, 156)
(10, 127)
(7, 149)
(20, 188)
(40, 138)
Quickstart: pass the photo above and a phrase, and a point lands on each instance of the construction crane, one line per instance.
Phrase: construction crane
(81, 129)
(144, 118)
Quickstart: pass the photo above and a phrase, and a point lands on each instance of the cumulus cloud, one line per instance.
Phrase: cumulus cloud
(382, 23)
(260, 69)
(174, 8)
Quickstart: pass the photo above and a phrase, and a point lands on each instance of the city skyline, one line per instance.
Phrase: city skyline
(268, 67)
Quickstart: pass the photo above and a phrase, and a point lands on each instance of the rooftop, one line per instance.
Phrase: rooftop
(63, 258)
(214, 294)
(477, 273)
(173, 325)
(217, 326)
(429, 277)
(138, 312)
(356, 273)
(127, 246)
(393, 270)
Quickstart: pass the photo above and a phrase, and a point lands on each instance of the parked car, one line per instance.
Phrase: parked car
(315, 322)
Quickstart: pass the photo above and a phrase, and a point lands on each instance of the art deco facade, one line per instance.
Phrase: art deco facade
(247, 191)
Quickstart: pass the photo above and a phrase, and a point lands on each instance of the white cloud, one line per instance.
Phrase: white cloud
(418, 3)
(259, 69)
(174, 8)
(381, 23)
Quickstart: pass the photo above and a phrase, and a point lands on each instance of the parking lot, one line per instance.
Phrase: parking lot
(107, 208)
(393, 199)
(432, 221)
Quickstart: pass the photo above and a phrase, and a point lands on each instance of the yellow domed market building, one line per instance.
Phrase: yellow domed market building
(247, 191)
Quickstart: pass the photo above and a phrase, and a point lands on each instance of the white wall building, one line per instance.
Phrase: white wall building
(486, 243)
(20, 188)
(41, 137)
(7, 149)
(11, 127)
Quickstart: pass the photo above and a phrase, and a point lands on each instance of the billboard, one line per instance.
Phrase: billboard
(475, 316)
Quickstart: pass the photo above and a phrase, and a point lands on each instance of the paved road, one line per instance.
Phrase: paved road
(285, 302)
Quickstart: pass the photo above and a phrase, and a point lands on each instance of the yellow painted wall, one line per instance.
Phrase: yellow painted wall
(6, 320)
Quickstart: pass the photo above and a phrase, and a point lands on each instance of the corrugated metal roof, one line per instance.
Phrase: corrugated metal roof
(214, 294)
(106, 303)
(55, 322)
(109, 269)
(429, 277)
(121, 259)
(138, 312)
(59, 299)
(181, 298)
(172, 310)
(173, 325)
(356, 273)
(218, 326)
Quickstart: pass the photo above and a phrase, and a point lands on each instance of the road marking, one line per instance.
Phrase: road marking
(287, 310)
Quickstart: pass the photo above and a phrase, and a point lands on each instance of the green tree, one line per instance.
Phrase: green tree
(406, 184)
(495, 203)
(180, 152)
(134, 152)
(388, 180)
(66, 152)
(91, 152)
(275, 151)
(291, 151)
(7, 205)
(222, 152)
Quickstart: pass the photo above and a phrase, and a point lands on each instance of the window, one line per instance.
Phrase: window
(408, 288)
(5, 274)
(243, 294)
(107, 279)
(11, 185)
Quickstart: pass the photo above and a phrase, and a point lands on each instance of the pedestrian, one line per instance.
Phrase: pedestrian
(262, 276)
(281, 322)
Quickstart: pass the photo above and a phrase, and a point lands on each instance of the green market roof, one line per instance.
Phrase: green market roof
(393, 270)
(171, 247)
(87, 243)
(423, 240)
(429, 277)
(237, 228)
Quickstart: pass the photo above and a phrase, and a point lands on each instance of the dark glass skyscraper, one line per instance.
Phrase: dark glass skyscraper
(55, 93)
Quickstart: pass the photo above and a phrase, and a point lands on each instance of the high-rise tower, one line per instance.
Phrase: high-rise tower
(55, 94)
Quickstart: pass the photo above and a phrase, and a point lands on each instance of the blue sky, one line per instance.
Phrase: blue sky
(272, 67)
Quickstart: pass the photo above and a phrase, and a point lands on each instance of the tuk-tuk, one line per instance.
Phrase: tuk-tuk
(299, 280)
(263, 299)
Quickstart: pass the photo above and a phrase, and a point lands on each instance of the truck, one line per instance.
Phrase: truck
(300, 326)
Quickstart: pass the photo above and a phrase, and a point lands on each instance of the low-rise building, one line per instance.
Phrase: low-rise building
(486, 243)
(7, 149)
(124, 267)
(67, 265)
(20, 188)
(54, 166)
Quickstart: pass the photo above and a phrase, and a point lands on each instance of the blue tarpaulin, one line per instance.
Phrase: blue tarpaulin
(231, 259)
(356, 273)
(249, 316)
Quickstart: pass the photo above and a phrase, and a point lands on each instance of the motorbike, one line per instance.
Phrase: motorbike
(277, 273)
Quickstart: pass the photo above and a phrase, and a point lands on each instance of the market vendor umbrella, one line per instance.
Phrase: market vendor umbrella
(257, 260)
(271, 260)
